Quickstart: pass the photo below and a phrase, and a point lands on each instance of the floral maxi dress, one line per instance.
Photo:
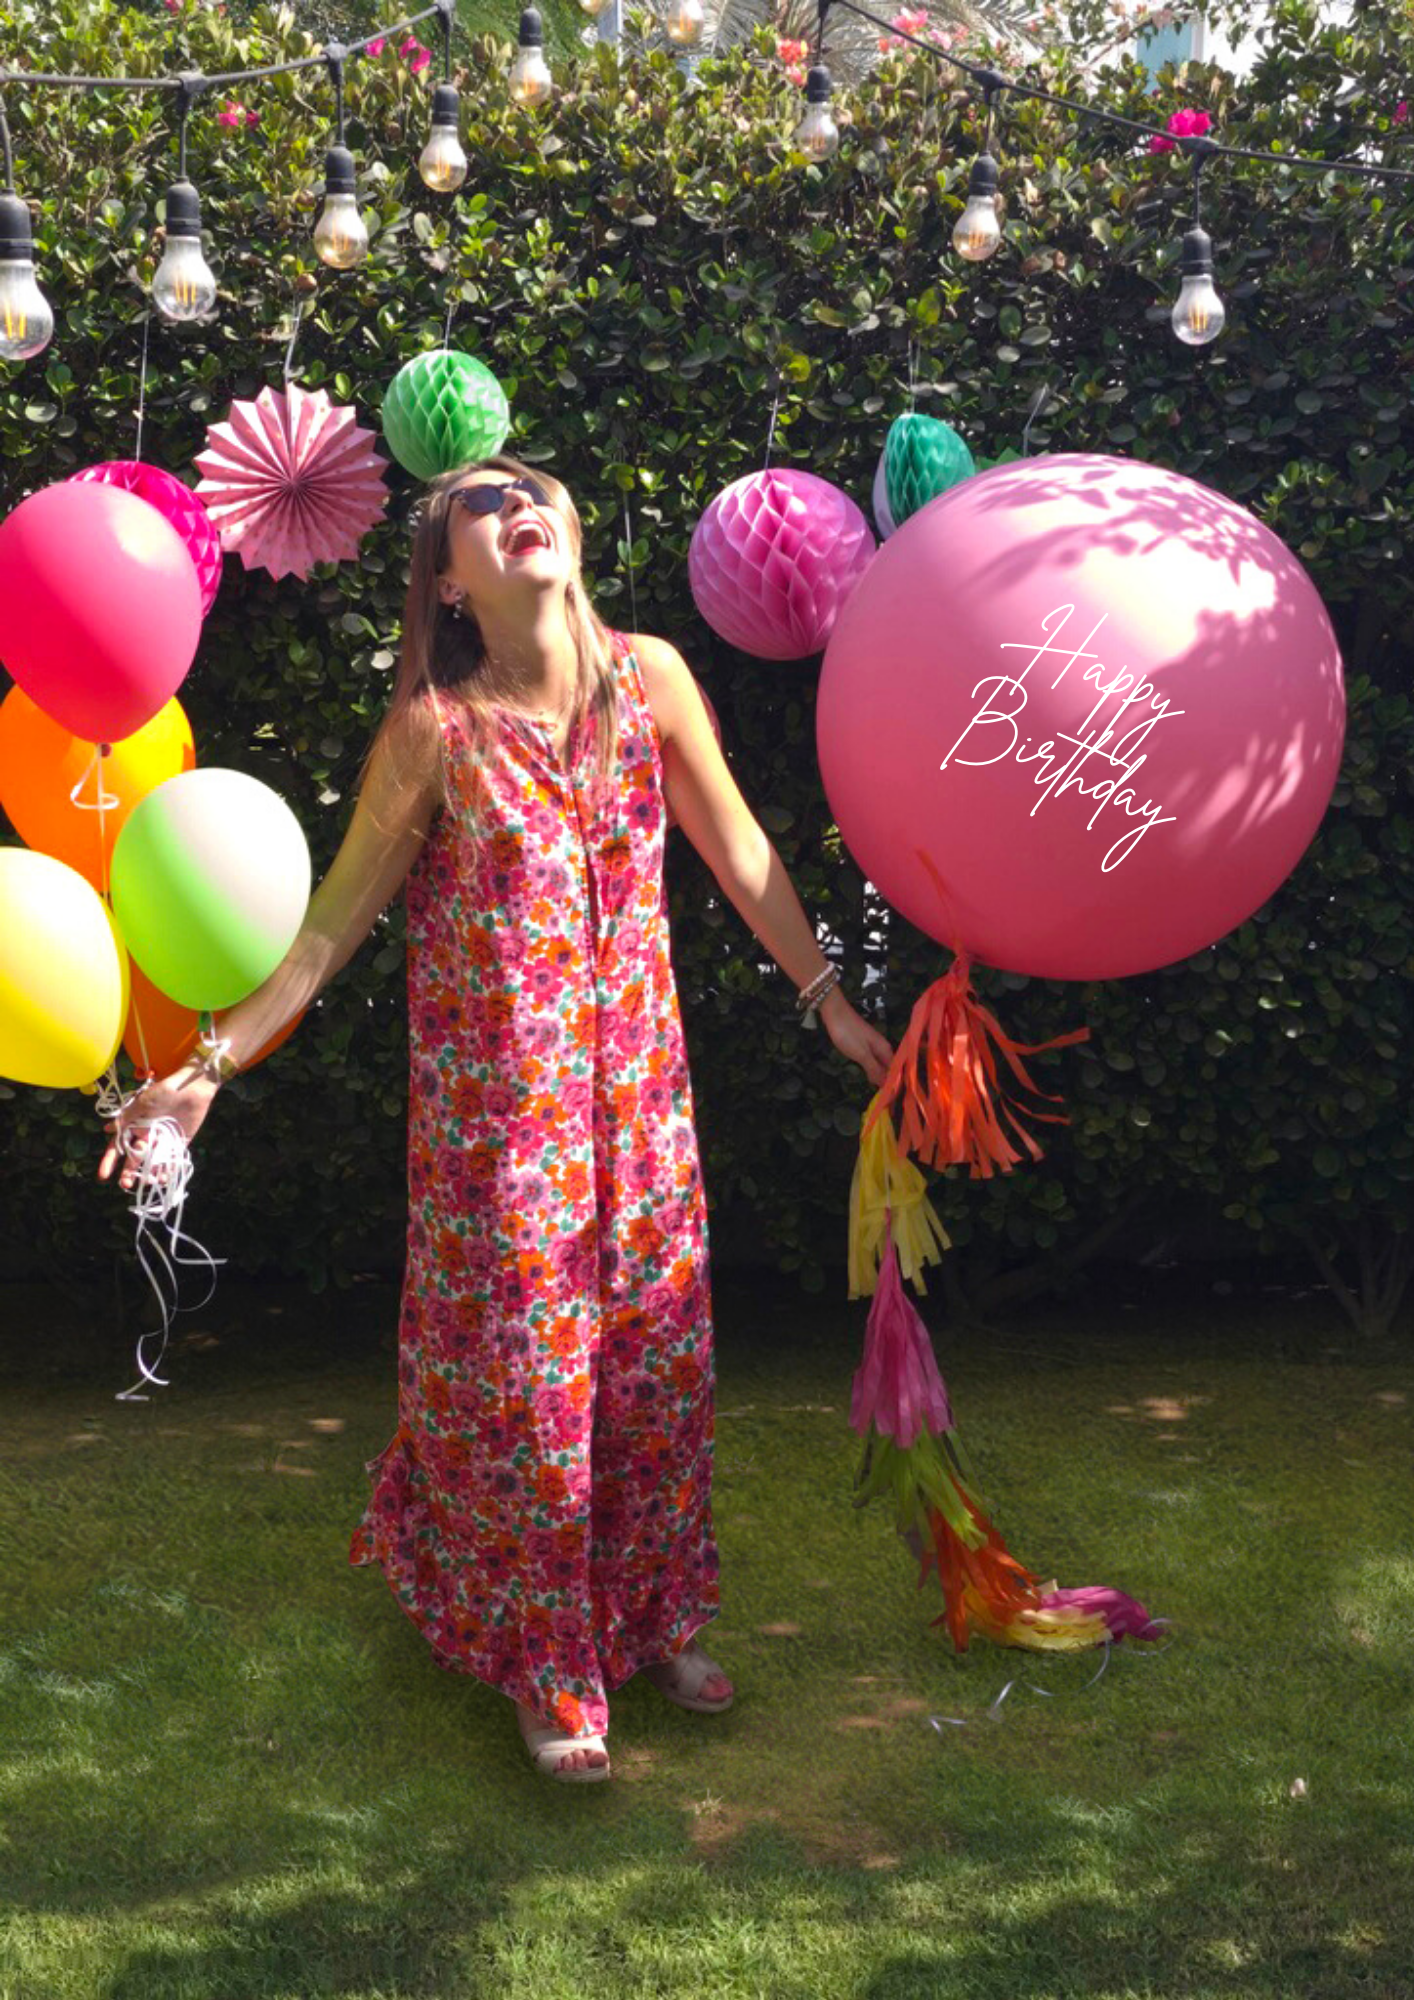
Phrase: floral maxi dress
(543, 1512)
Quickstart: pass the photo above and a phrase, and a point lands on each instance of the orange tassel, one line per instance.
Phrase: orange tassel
(954, 1116)
(984, 1589)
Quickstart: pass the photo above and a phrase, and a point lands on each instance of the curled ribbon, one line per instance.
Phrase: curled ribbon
(994, 1707)
(163, 1164)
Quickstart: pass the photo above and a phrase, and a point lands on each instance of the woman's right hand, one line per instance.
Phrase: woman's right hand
(185, 1097)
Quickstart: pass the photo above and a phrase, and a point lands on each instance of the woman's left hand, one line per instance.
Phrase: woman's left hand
(853, 1037)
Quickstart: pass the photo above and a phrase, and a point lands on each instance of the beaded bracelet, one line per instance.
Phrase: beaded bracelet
(807, 1003)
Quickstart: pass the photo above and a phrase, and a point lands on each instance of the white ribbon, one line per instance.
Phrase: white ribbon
(163, 1167)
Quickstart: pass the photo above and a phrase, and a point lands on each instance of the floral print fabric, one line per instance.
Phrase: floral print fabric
(543, 1512)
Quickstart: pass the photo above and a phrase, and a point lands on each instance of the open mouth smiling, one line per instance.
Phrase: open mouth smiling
(524, 535)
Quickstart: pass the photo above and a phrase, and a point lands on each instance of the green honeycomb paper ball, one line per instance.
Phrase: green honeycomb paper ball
(922, 458)
(444, 409)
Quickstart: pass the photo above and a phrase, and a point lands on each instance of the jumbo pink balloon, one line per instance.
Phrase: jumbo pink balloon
(100, 607)
(178, 504)
(1106, 702)
(773, 558)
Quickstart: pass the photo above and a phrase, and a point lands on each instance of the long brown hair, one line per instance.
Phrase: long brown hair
(444, 657)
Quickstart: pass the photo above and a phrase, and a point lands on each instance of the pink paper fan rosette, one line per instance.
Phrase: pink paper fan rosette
(172, 498)
(291, 480)
(773, 558)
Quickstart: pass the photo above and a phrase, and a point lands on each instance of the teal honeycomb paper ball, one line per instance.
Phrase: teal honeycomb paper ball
(444, 409)
(922, 458)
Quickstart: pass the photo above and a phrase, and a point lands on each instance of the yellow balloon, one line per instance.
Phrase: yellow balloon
(63, 974)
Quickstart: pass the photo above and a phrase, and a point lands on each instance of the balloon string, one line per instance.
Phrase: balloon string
(451, 308)
(632, 589)
(912, 375)
(163, 1174)
(142, 383)
(290, 350)
(771, 429)
(994, 1707)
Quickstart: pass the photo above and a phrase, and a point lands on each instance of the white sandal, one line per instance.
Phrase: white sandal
(683, 1677)
(548, 1745)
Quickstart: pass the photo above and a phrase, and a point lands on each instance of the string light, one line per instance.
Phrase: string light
(1198, 314)
(683, 23)
(530, 81)
(817, 135)
(184, 286)
(26, 318)
(341, 234)
(978, 230)
(442, 162)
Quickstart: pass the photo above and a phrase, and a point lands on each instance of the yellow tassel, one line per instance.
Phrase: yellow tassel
(886, 1182)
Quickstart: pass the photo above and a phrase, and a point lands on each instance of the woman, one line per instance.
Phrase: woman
(543, 1511)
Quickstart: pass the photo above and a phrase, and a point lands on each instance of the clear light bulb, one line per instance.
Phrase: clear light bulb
(683, 22)
(593, 8)
(341, 234)
(26, 320)
(442, 162)
(1198, 315)
(184, 287)
(530, 80)
(817, 135)
(978, 229)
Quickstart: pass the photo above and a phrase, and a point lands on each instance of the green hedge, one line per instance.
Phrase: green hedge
(642, 266)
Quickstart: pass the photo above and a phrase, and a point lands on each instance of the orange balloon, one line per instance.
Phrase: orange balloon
(41, 764)
(160, 1035)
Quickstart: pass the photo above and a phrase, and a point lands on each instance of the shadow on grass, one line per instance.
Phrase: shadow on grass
(228, 1769)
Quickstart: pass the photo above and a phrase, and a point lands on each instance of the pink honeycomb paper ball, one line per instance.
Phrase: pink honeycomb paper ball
(178, 503)
(773, 559)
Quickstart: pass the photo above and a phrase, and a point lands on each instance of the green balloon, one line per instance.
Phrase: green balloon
(210, 881)
(444, 409)
(922, 458)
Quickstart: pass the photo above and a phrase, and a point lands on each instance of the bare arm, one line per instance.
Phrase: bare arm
(391, 820)
(390, 823)
(717, 820)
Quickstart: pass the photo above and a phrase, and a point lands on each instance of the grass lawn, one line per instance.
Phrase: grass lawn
(230, 1768)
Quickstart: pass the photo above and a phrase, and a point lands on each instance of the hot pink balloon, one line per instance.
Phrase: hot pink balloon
(178, 504)
(100, 607)
(1105, 702)
(773, 558)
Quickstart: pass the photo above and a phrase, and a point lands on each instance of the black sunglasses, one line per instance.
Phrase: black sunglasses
(489, 499)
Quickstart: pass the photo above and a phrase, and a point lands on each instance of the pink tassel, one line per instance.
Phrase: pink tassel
(897, 1387)
(1124, 1616)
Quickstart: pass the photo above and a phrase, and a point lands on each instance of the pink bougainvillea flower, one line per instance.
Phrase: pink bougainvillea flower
(252, 118)
(419, 61)
(912, 21)
(231, 113)
(792, 52)
(376, 48)
(1401, 113)
(795, 73)
(405, 48)
(1183, 125)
